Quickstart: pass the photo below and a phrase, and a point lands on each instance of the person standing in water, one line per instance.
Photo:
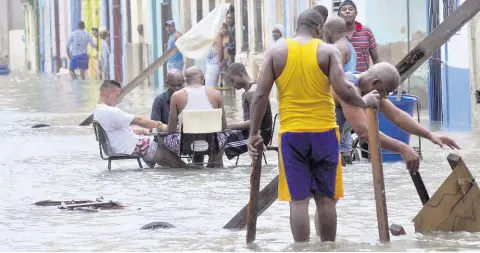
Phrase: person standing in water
(305, 69)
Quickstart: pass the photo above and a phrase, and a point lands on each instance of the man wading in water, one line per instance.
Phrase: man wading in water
(303, 69)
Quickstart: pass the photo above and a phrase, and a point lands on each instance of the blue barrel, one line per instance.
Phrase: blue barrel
(406, 104)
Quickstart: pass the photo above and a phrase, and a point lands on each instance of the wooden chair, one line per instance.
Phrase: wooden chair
(198, 134)
(104, 144)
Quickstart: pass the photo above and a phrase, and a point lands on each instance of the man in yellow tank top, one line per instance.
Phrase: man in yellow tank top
(303, 69)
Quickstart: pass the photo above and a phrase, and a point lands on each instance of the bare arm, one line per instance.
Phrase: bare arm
(147, 123)
(374, 55)
(344, 89)
(344, 51)
(173, 117)
(372, 47)
(259, 103)
(357, 118)
(221, 105)
(403, 119)
(218, 46)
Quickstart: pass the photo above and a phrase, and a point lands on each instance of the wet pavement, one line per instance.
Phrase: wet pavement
(62, 162)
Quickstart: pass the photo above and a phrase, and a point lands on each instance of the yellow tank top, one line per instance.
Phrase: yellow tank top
(305, 99)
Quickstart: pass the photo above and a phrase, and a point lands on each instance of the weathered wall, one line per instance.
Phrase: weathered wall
(397, 32)
(11, 18)
(474, 59)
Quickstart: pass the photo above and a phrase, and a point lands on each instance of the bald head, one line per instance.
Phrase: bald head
(322, 10)
(312, 21)
(336, 23)
(175, 80)
(384, 76)
(335, 29)
(194, 75)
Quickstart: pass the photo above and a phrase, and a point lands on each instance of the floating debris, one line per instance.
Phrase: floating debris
(157, 225)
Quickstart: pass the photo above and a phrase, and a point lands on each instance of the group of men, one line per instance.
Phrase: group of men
(304, 69)
(315, 97)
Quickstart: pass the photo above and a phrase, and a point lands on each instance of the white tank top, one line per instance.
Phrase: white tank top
(197, 99)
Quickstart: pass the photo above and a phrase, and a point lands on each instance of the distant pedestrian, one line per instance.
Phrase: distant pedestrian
(176, 62)
(105, 59)
(77, 54)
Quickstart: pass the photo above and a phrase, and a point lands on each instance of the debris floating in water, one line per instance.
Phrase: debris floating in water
(40, 125)
(157, 225)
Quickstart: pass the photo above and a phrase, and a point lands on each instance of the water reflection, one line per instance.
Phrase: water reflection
(62, 163)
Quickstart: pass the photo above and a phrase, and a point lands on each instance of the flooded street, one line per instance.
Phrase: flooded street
(62, 162)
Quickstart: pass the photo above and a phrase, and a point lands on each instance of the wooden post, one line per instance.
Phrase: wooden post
(139, 79)
(377, 169)
(254, 194)
(268, 195)
(420, 187)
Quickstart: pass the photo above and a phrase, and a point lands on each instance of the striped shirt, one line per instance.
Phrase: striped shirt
(363, 41)
(79, 41)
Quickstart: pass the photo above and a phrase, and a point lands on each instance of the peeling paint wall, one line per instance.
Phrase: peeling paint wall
(397, 32)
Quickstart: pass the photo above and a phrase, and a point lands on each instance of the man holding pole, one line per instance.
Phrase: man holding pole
(309, 136)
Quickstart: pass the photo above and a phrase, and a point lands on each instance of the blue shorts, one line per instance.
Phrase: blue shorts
(309, 164)
(79, 62)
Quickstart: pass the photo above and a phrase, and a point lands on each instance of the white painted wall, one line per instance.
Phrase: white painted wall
(17, 49)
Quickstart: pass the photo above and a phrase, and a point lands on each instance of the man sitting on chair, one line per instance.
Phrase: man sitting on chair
(161, 104)
(124, 139)
(195, 97)
(238, 77)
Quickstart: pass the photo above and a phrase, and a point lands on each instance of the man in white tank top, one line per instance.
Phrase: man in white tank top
(195, 97)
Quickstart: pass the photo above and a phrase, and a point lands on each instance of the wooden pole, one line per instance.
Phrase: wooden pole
(268, 195)
(254, 194)
(420, 187)
(139, 79)
(377, 169)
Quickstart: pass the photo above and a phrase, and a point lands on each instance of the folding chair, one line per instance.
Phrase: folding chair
(104, 144)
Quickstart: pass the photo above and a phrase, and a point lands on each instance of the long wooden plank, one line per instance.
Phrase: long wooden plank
(267, 196)
(377, 170)
(252, 213)
(434, 41)
(142, 76)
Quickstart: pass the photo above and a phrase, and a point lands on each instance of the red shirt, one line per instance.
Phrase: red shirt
(363, 41)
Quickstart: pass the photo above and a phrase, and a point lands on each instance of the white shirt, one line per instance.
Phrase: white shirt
(117, 125)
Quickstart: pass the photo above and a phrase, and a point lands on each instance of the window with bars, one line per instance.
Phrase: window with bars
(244, 13)
(258, 26)
(335, 4)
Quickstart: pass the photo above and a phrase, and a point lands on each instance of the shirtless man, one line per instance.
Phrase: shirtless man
(335, 32)
(195, 97)
(238, 77)
(303, 69)
(368, 81)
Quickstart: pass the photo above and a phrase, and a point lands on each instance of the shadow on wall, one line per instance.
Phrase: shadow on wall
(395, 51)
